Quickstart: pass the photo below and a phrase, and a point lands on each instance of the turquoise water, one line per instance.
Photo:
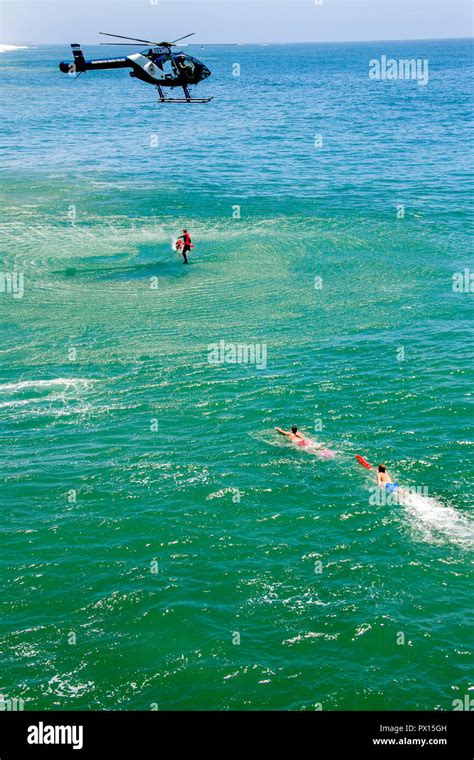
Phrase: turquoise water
(111, 339)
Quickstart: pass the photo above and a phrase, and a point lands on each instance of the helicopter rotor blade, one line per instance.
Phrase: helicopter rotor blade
(137, 39)
(183, 38)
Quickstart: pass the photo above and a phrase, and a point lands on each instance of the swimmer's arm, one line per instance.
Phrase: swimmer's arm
(282, 432)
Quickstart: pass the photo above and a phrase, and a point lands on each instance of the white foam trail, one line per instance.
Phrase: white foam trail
(67, 382)
(435, 522)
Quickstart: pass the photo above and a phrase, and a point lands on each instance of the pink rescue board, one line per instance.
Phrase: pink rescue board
(327, 454)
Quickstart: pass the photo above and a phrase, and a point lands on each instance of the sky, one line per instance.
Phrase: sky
(227, 21)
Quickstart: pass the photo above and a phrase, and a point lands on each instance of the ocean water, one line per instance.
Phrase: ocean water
(161, 544)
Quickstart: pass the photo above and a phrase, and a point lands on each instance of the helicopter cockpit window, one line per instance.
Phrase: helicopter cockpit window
(165, 65)
(155, 59)
(185, 66)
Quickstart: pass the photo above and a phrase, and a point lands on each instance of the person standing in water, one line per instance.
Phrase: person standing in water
(186, 238)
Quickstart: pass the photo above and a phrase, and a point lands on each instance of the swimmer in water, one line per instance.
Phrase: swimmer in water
(384, 480)
(313, 446)
(295, 436)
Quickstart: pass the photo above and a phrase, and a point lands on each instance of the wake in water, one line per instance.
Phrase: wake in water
(434, 522)
(45, 385)
(55, 397)
(429, 519)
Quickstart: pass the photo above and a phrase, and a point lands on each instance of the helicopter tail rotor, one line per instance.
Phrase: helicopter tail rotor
(79, 60)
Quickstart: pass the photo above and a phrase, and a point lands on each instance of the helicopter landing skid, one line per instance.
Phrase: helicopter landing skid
(187, 99)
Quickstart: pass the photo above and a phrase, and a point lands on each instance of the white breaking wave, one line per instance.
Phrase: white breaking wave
(8, 48)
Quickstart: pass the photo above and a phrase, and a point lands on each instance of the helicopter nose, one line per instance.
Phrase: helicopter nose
(205, 72)
(64, 67)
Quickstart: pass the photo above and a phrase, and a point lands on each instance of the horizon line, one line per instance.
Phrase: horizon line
(275, 42)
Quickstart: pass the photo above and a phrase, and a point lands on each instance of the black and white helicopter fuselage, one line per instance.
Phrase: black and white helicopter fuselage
(158, 66)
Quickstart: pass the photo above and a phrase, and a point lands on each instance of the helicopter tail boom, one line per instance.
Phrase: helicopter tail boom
(80, 64)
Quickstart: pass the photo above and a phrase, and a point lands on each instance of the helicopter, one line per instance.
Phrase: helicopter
(157, 65)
